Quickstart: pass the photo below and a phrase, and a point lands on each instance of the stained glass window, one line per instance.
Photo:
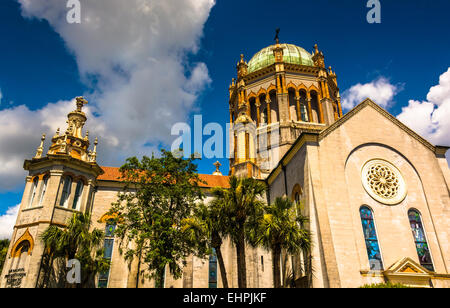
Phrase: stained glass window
(108, 250)
(370, 236)
(420, 240)
(213, 270)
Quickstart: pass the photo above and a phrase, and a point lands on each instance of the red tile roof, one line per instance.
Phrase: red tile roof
(113, 174)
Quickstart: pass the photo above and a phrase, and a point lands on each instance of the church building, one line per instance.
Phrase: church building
(375, 192)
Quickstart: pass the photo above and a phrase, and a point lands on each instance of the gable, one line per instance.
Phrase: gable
(370, 104)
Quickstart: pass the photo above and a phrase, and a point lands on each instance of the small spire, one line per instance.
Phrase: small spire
(94, 153)
(57, 133)
(87, 135)
(40, 149)
(242, 59)
(316, 49)
(217, 164)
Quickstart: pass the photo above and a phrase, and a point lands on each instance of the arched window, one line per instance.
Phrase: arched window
(43, 190)
(370, 236)
(315, 107)
(108, 250)
(66, 191)
(212, 279)
(303, 106)
(33, 192)
(77, 198)
(420, 239)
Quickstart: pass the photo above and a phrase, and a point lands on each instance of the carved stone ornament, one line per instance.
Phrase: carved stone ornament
(383, 182)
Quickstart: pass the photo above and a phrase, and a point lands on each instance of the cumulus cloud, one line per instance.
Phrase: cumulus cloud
(380, 90)
(7, 222)
(134, 57)
(431, 118)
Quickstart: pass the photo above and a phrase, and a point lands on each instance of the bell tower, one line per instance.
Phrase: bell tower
(58, 184)
(280, 93)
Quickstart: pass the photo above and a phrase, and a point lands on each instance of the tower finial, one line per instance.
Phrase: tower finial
(277, 33)
(316, 49)
(80, 101)
(40, 149)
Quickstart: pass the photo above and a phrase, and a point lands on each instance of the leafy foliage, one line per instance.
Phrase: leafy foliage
(4, 244)
(281, 228)
(243, 207)
(74, 242)
(160, 196)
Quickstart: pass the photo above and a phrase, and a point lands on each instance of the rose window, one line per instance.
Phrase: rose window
(383, 182)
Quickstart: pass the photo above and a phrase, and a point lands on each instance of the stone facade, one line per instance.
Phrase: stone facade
(289, 131)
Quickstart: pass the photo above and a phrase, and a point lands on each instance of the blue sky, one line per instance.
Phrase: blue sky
(41, 61)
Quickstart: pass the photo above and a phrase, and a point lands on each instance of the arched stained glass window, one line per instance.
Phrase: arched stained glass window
(108, 251)
(213, 270)
(420, 240)
(370, 236)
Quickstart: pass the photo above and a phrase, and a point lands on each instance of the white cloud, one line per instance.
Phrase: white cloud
(380, 90)
(133, 55)
(1, 96)
(431, 118)
(7, 222)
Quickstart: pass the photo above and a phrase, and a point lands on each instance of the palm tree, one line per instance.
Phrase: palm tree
(242, 206)
(74, 242)
(281, 228)
(210, 222)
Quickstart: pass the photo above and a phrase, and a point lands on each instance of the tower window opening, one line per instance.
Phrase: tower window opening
(303, 107)
(77, 198)
(66, 191)
(43, 190)
(33, 192)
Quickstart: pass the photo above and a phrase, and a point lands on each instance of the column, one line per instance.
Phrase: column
(269, 112)
(297, 99)
(258, 115)
(308, 97)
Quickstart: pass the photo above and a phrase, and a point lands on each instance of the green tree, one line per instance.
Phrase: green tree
(243, 205)
(160, 193)
(4, 244)
(281, 228)
(207, 228)
(76, 241)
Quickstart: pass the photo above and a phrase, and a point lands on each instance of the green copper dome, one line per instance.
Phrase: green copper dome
(291, 54)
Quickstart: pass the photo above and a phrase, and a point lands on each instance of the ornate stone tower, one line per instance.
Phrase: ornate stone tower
(57, 185)
(281, 92)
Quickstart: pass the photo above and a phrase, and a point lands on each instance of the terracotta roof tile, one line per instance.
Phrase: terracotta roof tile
(113, 174)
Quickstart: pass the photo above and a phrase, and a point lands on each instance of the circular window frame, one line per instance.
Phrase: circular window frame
(402, 192)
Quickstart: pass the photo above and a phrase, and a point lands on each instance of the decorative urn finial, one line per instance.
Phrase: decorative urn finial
(217, 164)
